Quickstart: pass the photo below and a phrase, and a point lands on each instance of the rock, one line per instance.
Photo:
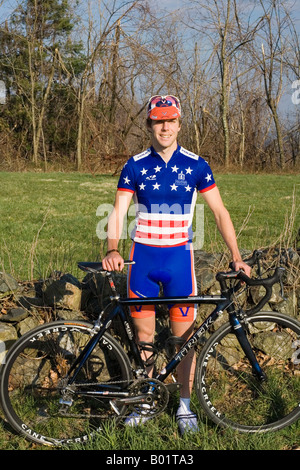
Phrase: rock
(288, 306)
(7, 283)
(15, 315)
(274, 344)
(26, 325)
(96, 291)
(64, 292)
(30, 302)
(258, 292)
(69, 315)
(205, 269)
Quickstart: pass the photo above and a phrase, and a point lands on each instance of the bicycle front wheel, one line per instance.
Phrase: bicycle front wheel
(228, 390)
(34, 376)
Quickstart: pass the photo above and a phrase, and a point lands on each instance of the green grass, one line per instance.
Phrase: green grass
(48, 221)
(161, 434)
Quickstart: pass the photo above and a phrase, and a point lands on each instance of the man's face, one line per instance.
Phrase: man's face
(164, 133)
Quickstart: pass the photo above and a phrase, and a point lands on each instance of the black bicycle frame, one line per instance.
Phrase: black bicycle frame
(222, 303)
(88, 349)
(117, 310)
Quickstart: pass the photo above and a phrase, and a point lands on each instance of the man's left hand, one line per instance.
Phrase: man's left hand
(237, 265)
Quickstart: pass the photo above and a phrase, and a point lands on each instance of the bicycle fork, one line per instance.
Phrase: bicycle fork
(245, 345)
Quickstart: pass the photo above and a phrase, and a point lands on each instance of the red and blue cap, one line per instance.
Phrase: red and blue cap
(163, 107)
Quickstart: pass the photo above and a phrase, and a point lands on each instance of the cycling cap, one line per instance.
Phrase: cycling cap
(163, 107)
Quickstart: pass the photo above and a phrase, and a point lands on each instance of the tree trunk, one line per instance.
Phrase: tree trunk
(80, 128)
(224, 64)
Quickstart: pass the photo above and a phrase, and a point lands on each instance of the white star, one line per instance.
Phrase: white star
(156, 186)
(126, 180)
(142, 186)
(188, 171)
(173, 187)
(208, 177)
(174, 168)
(143, 171)
(158, 168)
(188, 188)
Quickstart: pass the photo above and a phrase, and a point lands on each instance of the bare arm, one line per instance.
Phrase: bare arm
(225, 227)
(113, 261)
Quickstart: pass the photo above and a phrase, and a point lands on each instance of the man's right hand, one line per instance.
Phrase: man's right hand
(113, 262)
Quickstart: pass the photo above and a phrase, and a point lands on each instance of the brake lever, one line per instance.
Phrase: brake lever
(281, 285)
(258, 267)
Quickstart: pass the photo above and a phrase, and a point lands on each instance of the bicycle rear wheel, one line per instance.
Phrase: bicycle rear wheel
(229, 391)
(33, 379)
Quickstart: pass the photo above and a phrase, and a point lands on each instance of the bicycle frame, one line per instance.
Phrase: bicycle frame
(222, 302)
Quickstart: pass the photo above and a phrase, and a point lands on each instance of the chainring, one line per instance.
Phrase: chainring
(155, 397)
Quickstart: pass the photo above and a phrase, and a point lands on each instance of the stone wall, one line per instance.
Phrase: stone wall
(24, 305)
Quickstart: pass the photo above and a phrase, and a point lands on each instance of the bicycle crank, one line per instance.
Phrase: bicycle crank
(146, 396)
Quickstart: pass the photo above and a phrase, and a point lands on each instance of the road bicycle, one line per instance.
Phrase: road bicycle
(65, 381)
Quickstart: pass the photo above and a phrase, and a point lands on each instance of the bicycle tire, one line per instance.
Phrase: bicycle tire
(32, 378)
(229, 391)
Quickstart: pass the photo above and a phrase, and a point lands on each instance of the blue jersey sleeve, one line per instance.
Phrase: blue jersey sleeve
(206, 179)
(127, 178)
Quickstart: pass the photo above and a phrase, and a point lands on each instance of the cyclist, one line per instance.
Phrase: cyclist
(164, 181)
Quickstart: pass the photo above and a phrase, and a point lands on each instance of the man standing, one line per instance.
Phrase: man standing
(164, 181)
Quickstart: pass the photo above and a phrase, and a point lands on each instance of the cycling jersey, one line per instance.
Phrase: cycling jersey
(165, 194)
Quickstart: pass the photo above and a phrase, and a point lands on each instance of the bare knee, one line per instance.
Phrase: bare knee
(145, 329)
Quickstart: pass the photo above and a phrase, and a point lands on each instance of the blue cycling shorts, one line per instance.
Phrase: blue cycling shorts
(171, 267)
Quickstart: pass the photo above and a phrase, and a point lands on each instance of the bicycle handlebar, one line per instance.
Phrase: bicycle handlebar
(266, 283)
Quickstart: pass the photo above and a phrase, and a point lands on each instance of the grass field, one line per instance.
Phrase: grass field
(48, 221)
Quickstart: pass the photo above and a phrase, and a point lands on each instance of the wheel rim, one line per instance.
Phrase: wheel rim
(230, 392)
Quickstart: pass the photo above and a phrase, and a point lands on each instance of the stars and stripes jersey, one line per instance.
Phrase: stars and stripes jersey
(165, 194)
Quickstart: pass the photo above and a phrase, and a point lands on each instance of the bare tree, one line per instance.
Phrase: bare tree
(269, 57)
(113, 13)
(219, 22)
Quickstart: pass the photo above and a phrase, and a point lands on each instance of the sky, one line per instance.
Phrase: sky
(292, 89)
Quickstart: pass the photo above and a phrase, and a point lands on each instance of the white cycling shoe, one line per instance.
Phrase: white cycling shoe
(187, 422)
(136, 419)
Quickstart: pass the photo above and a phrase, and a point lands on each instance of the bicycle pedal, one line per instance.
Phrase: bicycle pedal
(173, 387)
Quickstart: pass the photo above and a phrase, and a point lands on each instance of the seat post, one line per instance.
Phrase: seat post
(115, 296)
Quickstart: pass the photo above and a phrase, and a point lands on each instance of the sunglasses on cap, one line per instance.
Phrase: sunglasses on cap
(159, 101)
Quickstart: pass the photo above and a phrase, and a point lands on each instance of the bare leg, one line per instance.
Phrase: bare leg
(145, 330)
(186, 369)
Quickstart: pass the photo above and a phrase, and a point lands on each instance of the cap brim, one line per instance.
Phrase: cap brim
(160, 114)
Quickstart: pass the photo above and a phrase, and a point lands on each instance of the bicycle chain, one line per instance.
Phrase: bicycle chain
(135, 388)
